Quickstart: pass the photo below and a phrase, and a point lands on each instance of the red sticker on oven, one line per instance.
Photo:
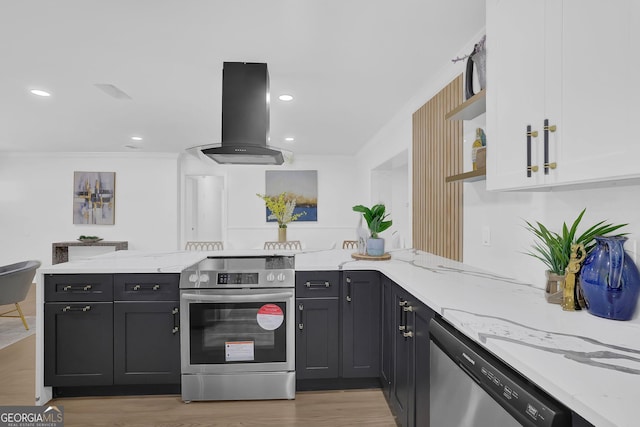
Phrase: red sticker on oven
(270, 317)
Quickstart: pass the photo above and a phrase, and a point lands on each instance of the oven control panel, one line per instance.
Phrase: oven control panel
(240, 272)
(237, 278)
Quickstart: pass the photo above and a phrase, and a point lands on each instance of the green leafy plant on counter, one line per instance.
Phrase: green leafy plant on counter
(554, 249)
(281, 208)
(375, 218)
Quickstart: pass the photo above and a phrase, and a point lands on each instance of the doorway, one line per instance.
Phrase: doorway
(204, 208)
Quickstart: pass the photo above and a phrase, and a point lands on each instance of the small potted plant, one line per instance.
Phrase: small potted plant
(554, 250)
(377, 223)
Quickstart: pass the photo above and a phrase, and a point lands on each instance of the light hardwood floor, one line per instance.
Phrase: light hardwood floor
(309, 409)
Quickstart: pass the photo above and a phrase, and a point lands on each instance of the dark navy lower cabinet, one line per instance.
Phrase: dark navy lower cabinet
(105, 334)
(317, 325)
(146, 344)
(317, 338)
(422, 315)
(360, 301)
(78, 343)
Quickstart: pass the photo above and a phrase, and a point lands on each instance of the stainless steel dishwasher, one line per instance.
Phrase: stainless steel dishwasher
(469, 387)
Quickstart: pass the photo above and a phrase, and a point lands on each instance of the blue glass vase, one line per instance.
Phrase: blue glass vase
(610, 280)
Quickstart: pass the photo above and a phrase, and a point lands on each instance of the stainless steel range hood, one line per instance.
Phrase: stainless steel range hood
(245, 117)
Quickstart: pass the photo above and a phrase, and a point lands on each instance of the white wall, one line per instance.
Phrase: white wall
(503, 213)
(246, 227)
(36, 198)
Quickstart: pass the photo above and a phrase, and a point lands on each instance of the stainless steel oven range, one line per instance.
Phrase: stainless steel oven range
(237, 329)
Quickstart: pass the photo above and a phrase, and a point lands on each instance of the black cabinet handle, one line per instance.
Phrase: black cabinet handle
(301, 310)
(548, 129)
(176, 320)
(348, 297)
(71, 308)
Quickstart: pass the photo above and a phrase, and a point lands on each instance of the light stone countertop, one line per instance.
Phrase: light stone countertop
(590, 364)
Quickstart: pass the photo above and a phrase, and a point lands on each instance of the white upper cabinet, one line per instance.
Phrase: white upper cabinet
(570, 64)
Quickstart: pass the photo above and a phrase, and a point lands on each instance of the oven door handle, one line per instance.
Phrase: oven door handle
(238, 298)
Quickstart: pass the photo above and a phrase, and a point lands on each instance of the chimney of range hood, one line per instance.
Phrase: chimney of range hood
(245, 117)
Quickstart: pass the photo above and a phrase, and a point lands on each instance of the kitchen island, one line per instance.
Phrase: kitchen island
(591, 365)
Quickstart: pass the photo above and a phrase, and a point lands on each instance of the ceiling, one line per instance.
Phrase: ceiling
(350, 64)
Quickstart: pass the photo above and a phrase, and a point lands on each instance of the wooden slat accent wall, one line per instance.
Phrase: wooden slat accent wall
(437, 153)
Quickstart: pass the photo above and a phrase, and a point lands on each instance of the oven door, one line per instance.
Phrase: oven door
(237, 330)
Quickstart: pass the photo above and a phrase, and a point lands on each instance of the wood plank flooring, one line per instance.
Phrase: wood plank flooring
(309, 409)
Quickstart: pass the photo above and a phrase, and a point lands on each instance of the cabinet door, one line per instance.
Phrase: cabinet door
(360, 324)
(422, 316)
(515, 90)
(146, 343)
(402, 389)
(388, 335)
(596, 105)
(78, 344)
(317, 338)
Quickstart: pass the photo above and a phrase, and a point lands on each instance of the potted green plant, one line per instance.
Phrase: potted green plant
(377, 223)
(554, 249)
(281, 209)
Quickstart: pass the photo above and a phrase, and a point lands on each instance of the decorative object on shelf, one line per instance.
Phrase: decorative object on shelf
(478, 144)
(94, 198)
(610, 280)
(299, 185)
(281, 208)
(554, 250)
(89, 239)
(375, 218)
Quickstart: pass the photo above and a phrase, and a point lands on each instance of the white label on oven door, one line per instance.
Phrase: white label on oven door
(238, 351)
(270, 317)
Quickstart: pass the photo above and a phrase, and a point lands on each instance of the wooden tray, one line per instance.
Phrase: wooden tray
(382, 257)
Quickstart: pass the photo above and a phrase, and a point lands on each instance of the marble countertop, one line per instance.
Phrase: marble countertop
(590, 364)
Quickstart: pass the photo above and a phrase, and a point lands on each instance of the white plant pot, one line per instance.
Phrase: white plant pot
(375, 247)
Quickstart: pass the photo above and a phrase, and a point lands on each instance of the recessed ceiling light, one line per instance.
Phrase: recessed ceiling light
(40, 92)
(136, 138)
(285, 98)
(289, 139)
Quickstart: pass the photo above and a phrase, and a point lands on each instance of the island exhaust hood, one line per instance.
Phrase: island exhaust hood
(245, 117)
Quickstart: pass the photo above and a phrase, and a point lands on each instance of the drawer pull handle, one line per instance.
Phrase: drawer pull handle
(308, 284)
(156, 287)
(69, 308)
(136, 288)
(78, 288)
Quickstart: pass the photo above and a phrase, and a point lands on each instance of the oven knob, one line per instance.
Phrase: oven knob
(204, 278)
(270, 277)
(193, 278)
(281, 277)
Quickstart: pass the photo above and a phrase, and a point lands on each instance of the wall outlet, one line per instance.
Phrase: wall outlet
(486, 236)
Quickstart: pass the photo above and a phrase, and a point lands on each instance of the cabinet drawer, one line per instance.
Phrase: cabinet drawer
(78, 287)
(146, 287)
(317, 284)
